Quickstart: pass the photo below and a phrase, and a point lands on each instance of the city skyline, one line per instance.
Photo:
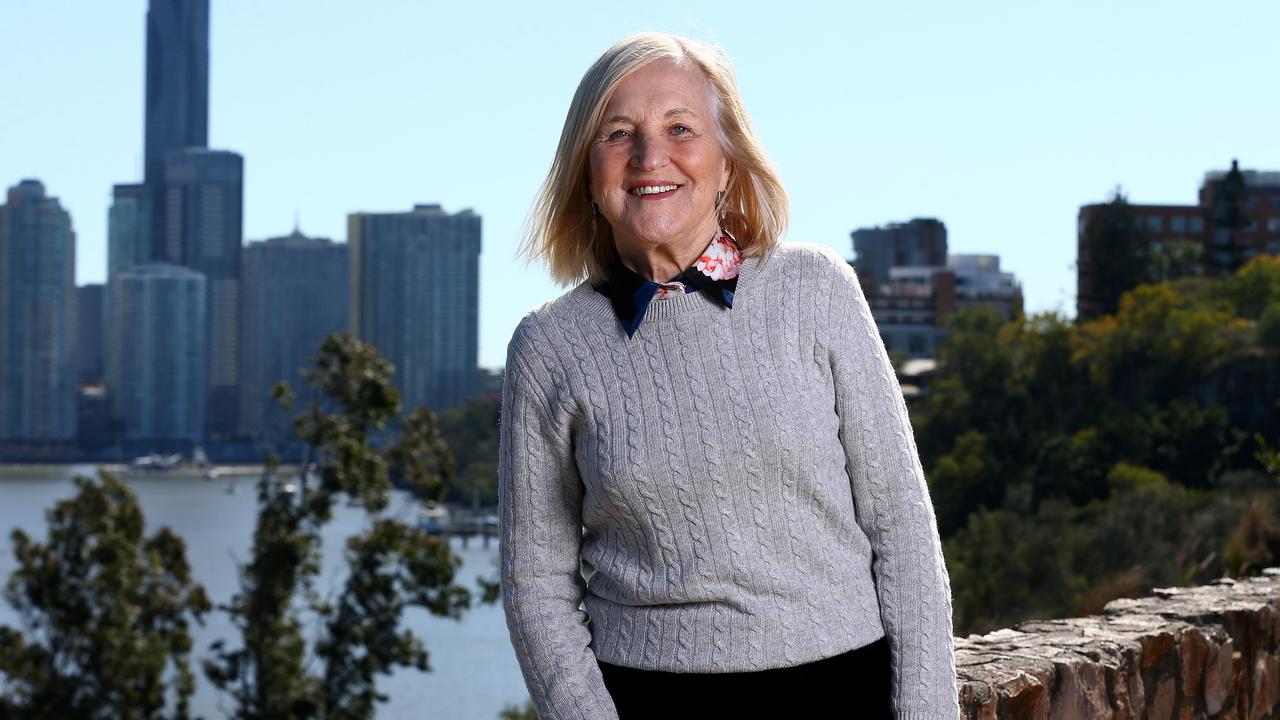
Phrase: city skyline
(1001, 120)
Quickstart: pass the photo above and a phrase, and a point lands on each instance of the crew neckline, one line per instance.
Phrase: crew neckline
(598, 306)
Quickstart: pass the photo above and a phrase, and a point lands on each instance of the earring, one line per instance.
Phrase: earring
(720, 197)
(595, 210)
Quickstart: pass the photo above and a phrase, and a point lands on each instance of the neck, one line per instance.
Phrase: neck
(660, 263)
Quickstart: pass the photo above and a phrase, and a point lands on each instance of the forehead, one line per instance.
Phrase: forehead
(660, 86)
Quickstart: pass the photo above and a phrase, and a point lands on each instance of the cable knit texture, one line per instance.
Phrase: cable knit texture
(743, 485)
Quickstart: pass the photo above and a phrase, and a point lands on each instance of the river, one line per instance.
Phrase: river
(474, 671)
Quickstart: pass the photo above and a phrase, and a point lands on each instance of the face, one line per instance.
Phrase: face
(655, 164)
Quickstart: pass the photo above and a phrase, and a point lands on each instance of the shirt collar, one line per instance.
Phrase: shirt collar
(715, 273)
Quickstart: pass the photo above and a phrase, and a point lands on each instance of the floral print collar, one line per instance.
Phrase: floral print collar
(715, 272)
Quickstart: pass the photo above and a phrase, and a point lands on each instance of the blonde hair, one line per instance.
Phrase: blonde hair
(560, 230)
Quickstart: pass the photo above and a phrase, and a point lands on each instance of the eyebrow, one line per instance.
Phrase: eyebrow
(667, 114)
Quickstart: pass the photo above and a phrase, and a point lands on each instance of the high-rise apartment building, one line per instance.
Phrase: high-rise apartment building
(37, 316)
(160, 391)
(203, 230)
(177, 96)
(295, 291)
(415, 295)
(921, 241)
(1236, 218)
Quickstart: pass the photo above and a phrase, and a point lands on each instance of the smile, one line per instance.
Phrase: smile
(652, 189)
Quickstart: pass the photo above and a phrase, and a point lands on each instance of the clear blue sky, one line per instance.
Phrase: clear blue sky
(1000, 119)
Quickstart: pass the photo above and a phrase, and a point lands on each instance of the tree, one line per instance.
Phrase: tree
(1228, 218)
(1114, 256)
(472, 430)
(357, 442)
(106, 612)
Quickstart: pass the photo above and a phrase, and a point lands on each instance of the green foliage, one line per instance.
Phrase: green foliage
(1007, 565)
(472, 430)
(1159, 342)
(106, 612)
(1070, 464)
(357, 446)
(1269, 326)
(962, 481)
(1254, 287)
(512, 712)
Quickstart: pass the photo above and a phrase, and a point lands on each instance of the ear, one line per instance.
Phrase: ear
(726, 175)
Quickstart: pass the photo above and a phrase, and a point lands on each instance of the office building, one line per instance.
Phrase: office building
(922, 241)
(1237, 216)
(177, 96)
(37, 317)
(415, 295)
(159, 393)
(295, 292)
(203, 231)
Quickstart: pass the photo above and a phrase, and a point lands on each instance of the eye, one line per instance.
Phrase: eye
(681, 129)
(617, 134)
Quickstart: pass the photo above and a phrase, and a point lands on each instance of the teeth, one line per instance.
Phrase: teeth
(652, 189)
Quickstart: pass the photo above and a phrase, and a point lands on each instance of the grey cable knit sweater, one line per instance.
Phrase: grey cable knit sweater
(744, 483)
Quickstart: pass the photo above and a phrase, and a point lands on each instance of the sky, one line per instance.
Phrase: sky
(999, 118)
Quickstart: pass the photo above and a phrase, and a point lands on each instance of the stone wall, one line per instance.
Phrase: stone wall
(1202, 652)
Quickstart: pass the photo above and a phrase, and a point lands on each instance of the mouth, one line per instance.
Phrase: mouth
(654, 190)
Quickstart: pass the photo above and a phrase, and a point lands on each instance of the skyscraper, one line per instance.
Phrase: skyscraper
(177, 94)
(203, 230)
(415, 295)
(160, 317)
(128, 244)
(295, 291)
(37, 316)
(126, 232)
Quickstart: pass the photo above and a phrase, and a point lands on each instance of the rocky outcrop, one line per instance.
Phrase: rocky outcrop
(1184, 653)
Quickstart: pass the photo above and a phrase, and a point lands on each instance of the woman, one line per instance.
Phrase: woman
(710, 422)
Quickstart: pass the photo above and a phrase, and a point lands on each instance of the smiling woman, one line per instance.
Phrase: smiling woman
(709, 422)
(657, 168)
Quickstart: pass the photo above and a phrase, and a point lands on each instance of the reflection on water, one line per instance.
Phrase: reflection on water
(474, 671)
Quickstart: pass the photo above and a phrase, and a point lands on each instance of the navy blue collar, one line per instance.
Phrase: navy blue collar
(630, 294)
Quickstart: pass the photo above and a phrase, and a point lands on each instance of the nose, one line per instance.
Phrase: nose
(649, 153)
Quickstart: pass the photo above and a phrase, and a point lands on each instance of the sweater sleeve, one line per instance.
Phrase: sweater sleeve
(893, 508)
(540, 505)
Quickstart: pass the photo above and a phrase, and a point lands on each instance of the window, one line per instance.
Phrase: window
(1273, 224)
(1197, 224)
(1178, 224)
(1155, 223)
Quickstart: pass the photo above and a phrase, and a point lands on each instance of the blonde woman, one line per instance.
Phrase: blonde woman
(708, 421)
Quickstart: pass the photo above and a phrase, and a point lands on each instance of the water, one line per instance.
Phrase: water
(474, 671)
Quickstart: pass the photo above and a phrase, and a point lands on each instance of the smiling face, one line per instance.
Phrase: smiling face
(656, 165)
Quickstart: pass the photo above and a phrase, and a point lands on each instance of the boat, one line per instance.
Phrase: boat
(156, 462)
(433, 519)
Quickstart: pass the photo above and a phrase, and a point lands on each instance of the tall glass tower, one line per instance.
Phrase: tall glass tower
(177, 109)
(37, 316)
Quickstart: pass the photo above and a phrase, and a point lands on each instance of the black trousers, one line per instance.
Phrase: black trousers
(855, 684)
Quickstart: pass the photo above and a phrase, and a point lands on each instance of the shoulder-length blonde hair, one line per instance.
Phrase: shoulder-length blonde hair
(560, 230)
